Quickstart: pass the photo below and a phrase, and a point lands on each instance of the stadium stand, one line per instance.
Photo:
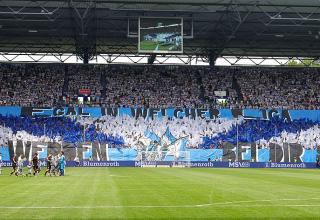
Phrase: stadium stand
(31, 85)
(170, 86)
(183, 87)
(279, 87)
(152, 87)
(86, 78)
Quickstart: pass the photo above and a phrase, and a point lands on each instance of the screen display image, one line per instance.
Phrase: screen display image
(160, 35)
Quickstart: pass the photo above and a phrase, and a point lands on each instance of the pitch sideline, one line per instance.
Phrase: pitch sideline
(231, 203)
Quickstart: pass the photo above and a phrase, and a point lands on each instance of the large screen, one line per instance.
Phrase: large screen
(160, 35)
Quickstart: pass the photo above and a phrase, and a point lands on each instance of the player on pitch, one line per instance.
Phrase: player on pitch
(49, 164)
(21, 160)
(14, 164)
(62, 163)
(35, 164)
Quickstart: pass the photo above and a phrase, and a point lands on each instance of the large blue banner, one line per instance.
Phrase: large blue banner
(263, 155)
(205, 155)
(4, 151)
(96, 112)
(10, 111)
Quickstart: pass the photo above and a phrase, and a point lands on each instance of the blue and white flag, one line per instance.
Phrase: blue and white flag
(169, 136)
(151, 135)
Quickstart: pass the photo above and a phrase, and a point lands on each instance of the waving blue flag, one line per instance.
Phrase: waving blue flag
(151, 135)
(183, 144)
(169, 136)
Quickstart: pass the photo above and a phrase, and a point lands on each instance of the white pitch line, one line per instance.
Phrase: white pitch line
(275, 205)
(112, 175)
(231, 203)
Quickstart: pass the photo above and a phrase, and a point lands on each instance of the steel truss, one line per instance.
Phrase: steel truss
(159, 59)
(96, 29)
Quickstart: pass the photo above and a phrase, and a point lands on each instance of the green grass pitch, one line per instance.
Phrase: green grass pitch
(148, 45)
(163, 193)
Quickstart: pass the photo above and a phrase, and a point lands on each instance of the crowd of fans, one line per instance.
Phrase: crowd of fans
(55, 85)
(152, 87)
(83, 81)
(219, 80)
(32, 85)
(46, 85)
(279, 87)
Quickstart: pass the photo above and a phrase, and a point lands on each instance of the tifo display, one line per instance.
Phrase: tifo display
(284, 136)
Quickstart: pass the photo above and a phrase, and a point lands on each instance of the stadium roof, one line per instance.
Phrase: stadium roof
(276, 28)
